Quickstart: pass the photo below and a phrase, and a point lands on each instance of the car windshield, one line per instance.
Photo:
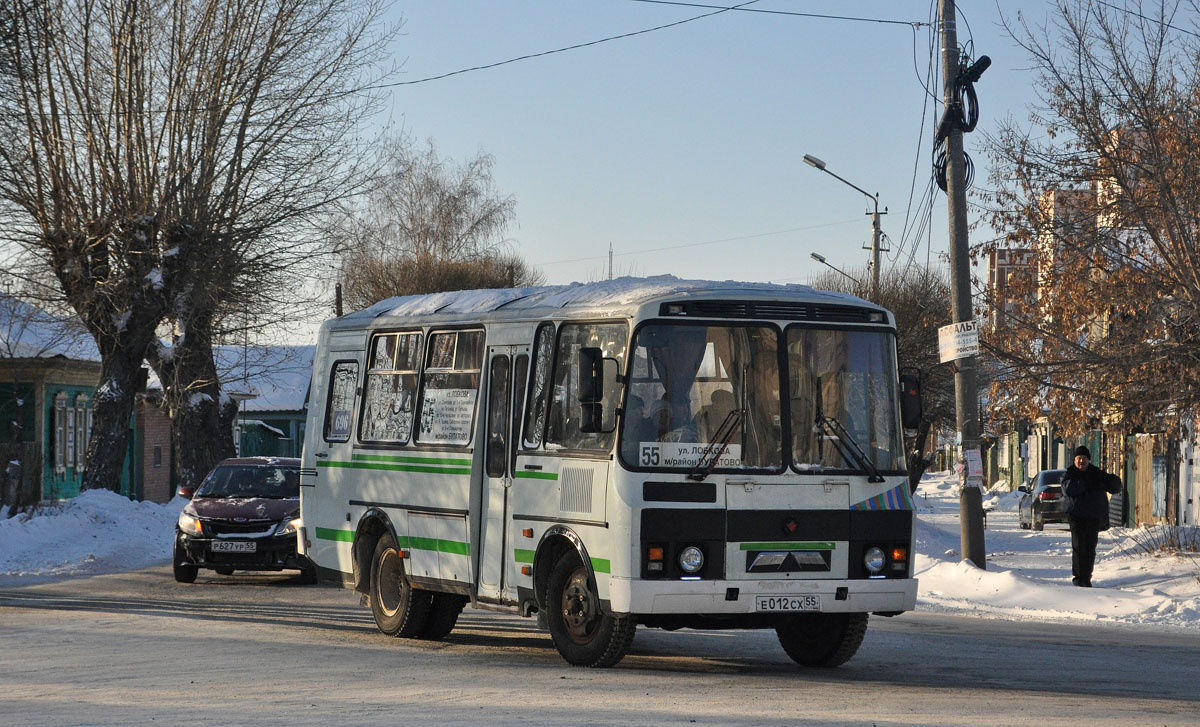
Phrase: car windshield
(241, 480)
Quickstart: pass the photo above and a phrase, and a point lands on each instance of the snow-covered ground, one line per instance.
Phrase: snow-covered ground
(1028, 573)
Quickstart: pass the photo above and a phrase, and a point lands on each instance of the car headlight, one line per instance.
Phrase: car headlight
(189, 524)
(691, 559)
(874, 560)
(288, 527)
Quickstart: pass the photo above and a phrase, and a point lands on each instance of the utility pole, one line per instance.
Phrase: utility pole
(876, 234)
(966, 393)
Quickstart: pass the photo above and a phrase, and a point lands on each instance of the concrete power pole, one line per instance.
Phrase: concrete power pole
(876, 234)
(966, 392)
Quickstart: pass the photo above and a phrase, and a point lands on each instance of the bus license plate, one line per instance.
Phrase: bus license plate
(234, 546)
(788, 603)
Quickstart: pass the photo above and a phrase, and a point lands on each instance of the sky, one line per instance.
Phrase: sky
(1028, 573)
(683, 147)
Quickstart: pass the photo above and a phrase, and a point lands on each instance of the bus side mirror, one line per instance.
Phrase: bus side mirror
(597, 375)
(910, 398)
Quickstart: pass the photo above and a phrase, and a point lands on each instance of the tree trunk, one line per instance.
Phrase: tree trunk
(201, 423)
(201, 414)
(121, 377)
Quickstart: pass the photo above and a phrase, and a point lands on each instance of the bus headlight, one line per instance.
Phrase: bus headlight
(874, 560)
(691, 559)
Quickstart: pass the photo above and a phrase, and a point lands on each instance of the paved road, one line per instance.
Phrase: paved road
(139, 649)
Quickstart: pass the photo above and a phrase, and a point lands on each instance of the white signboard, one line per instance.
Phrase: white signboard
(686, 454)
(446, 416)
(974, 463)
(958, 340)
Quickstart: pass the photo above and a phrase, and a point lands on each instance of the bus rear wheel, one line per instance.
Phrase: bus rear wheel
(443, 614)
(822, 639)
(398, 608)
(583, 634)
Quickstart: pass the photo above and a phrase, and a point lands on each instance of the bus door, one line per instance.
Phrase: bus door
(507, 372)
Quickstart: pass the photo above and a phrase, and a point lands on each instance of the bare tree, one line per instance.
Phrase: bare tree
(919, 298)
(428, 225)
(168, 161)
(1102, 189)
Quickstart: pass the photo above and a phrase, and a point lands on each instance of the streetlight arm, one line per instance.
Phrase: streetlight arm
(855, 186)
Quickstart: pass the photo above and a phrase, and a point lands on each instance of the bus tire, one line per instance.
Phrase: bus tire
(398, 608)
(822, 639)
(443, 614)
(583, 634)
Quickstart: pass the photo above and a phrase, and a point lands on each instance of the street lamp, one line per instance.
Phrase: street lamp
(821, 259)
(876, 233)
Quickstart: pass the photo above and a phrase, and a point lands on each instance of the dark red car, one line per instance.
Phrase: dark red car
(243, 516)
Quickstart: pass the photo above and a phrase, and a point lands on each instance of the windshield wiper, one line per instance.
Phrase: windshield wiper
(719, 443)
(833, 430)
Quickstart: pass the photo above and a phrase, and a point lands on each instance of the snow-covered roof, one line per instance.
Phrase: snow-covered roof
(27, 331)
(626, 293)
(277, 376)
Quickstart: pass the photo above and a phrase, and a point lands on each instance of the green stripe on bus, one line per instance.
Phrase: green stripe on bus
(426, 469)
(458, 462)
(599, 565)
(789, 546)
(452, 547)
(345, 536)
(536, 475)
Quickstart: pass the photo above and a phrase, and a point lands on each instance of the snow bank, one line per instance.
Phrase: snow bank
(97, 532)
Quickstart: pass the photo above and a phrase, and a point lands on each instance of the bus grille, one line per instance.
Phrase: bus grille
(576, 490)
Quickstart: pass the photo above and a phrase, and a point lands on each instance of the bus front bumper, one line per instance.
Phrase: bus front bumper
(884, 595)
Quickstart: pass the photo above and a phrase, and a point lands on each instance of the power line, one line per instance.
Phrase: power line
(717, 10)
(697, 244)
(577, 46)
(914, 24)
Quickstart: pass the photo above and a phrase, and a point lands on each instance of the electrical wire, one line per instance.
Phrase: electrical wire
(706, 242)
(783, 12)
(577, 46)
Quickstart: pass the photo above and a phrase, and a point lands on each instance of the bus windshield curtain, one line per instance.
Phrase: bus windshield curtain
(676, 361)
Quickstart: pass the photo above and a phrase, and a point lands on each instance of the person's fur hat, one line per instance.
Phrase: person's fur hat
(1082, 451)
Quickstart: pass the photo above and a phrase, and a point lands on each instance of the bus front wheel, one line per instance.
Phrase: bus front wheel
(822, 639)
(583, 634)
(398, 608)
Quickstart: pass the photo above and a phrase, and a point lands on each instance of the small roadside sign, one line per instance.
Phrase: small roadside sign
(958, 340)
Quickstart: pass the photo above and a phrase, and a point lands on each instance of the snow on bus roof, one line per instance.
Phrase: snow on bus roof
(625, 291)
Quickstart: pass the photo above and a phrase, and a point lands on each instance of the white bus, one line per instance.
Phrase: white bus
(656, 451)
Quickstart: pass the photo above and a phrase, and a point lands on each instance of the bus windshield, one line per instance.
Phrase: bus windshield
(846, 378)
(688, 380)
(708, 396)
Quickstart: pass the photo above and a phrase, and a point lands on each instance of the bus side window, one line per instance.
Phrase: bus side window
(450, 387)
(563, 421)
(343, 380)
(535, 414)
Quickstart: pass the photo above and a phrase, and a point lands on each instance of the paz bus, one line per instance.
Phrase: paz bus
(656, 452)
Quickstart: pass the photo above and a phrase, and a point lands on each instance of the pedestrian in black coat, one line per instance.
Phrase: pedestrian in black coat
(1086, 485)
